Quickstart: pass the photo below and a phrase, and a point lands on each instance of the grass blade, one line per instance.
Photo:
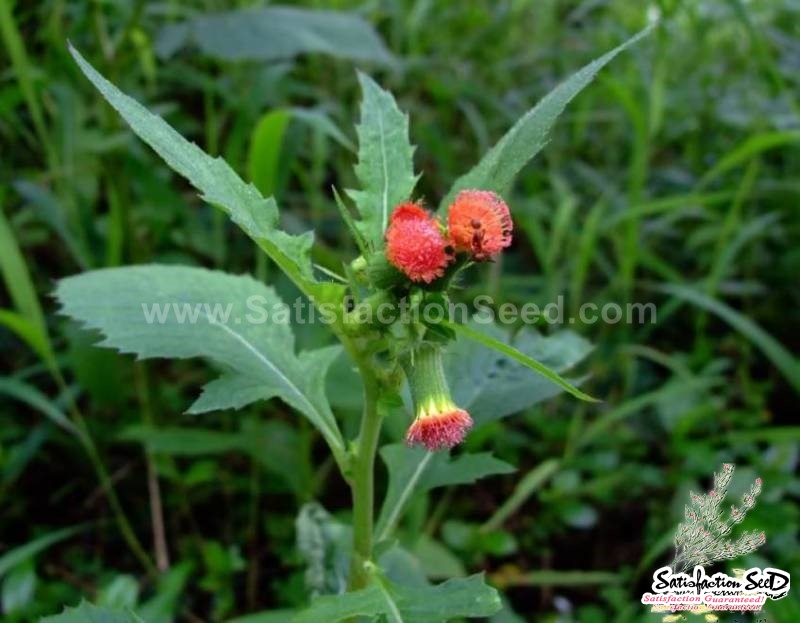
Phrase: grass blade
(23, 294)
(772, 349)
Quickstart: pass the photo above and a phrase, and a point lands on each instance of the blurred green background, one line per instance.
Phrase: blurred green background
(672, 179)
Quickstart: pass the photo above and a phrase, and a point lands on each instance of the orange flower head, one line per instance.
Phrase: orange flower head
(438, 422)
(438, 429)
(479, 223)
(415, 243)
(408, 211)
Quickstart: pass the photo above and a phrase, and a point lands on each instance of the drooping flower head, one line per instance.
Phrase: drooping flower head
(438, 422)
(479, 223)
(416, 244)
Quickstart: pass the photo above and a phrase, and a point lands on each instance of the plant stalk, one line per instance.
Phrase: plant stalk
(87, 442)
(363, 482)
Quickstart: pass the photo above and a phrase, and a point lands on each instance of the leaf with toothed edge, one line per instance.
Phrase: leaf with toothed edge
(219, 185)
(528, 136)
(413, 470)
(454, 599)
(87, 613)
(235, 321)
(385, 166)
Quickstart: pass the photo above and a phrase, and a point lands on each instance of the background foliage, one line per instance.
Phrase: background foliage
(671, 179)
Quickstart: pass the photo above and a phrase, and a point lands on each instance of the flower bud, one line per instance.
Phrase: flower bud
(438, 422)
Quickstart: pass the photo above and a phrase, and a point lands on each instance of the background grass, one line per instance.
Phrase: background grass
(672, 180)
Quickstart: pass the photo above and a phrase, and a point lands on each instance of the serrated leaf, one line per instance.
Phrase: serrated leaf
(87, 613)
(385, 166)
(528, 136)
(217, 182)
(182, 312)
(491, 385)
(415, 469)
(456, 598)
(272, 33)
(514, 361)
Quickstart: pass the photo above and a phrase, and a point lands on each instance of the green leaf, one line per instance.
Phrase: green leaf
(750, 148)
(35, 399)
(87, 613)
(781, 358)
(264, 155)
(385, 166)
(268, 616)
(525, 488)
(218, 184)
(415, 470)
(237, 322)
(176, 441)
(161, 608)
(519, 356)
(23, 294)
(563, 578)
(400, 566)
(18, 588)
(50, 210)
(121, 592)
(491, 385)
(467, 597)
(273, 444)
(462, 470)
(669, 392)
(271, 33)
(320, 121)
(27, 331)
(528, 136)
(18, 555)
(436, 559)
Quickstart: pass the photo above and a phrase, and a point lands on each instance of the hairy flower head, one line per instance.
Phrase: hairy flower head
(479, 223)
(442, 426)
(416, 244)
(438, 422)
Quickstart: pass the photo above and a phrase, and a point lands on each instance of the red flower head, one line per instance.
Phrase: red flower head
(438, 422)
(439, 428)
(479, 223)
(415, 243)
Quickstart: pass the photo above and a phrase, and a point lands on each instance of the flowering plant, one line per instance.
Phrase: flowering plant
(410, 258)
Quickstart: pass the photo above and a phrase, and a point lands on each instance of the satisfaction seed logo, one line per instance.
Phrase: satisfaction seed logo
(705, 537)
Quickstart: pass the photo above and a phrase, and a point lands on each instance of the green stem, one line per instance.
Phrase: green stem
(363, 481)
(85, 438)
(123, 524)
